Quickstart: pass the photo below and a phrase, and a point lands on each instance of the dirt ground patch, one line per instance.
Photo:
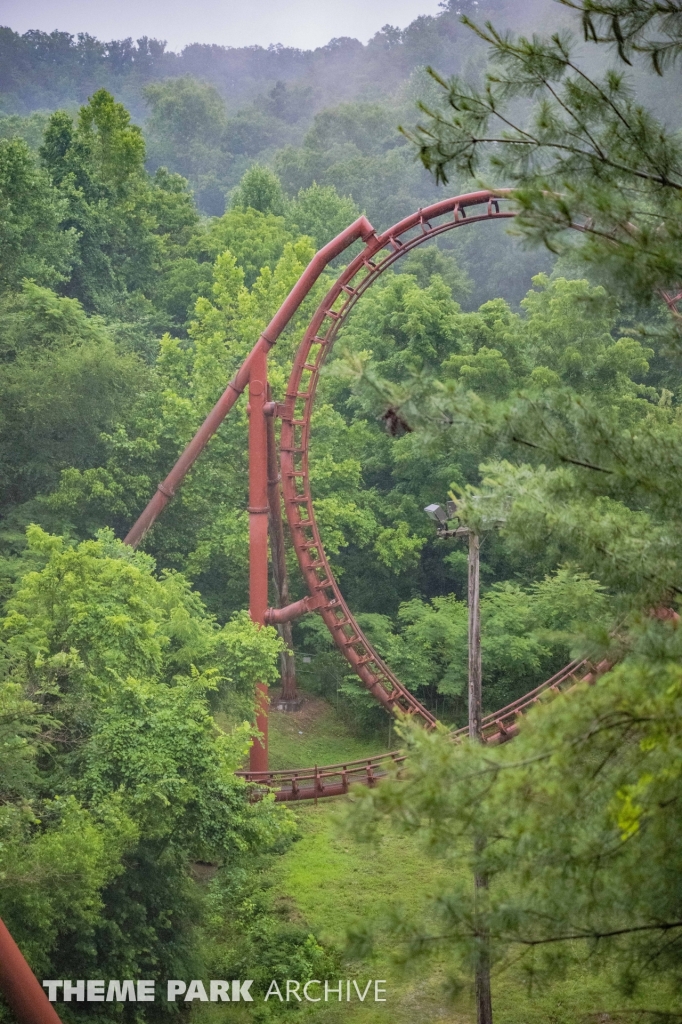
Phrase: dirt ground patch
(312, 710)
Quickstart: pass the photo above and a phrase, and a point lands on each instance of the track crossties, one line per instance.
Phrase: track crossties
(379, 253)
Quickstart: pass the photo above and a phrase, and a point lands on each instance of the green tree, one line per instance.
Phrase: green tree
(110, 672)
(527, 634)
(30, 128)
(124, 221)
(32, 244)
(426, 261)
(205, 531)
(186, 131)
(187, 119)
(97, 165)
(354, 147)
(407, 328)
(581, 848)
(321, 213)
(259, 189)
(561, 822)
(63, 383)
(255, 239)
(590, 156)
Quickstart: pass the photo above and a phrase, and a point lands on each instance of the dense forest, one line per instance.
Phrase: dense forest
(43, 70)
(156, 210)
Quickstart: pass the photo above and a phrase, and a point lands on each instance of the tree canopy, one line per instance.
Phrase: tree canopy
(138, 265)
(570, 825)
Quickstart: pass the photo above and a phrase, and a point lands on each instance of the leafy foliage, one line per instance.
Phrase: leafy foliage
(559, 824)
(546, 415)
(31, 243)
(591, 156)
(120, 778)
(580, 847)
(64, 382)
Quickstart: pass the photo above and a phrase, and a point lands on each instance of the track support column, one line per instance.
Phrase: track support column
(289, 695)
(258, 534)
(20, 987)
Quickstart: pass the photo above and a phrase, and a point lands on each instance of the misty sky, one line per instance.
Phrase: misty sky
(302, 23)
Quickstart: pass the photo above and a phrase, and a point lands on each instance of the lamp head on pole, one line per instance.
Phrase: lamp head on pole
(437, 513)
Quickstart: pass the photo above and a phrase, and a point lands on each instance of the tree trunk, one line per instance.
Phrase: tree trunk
(484, 1005)
(484, 1008)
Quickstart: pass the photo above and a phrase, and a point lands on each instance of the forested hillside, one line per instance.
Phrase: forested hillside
(155, 210)
(122, 304)
(210, 111)
(122, 314)
(44, 70)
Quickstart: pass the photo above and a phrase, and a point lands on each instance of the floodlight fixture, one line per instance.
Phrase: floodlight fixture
(437, 513)
(451, 507)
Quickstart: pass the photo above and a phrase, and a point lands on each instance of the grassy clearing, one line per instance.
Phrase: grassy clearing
(335, 882)
(317, 735)
(331, 882)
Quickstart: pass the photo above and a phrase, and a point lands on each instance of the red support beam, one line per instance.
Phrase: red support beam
(258, 534)
(276, 616)
(361, 228)
(26, 998)
(287, 662)
(393, 243)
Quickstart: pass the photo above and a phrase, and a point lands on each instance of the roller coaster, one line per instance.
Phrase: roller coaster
(291, 461)
(288, 463)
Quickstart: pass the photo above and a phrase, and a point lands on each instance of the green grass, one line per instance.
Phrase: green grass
(317, 735)
(336, 882)
(331, 882)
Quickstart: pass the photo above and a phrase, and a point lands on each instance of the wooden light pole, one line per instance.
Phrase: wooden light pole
(474, 602)
(484, 1008)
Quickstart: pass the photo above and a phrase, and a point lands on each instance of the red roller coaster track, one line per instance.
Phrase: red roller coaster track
(295, 412)
(335, 779)
(17, 982)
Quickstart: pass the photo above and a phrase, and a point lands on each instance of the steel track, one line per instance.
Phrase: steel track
(379, 253)
(295, 412)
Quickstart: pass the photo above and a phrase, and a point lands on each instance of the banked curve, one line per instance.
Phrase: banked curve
(295, 412)
(379, 253)
(330, 780)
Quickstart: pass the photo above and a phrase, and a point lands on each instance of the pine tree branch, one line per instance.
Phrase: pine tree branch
(600, 92)
(665, 926)
(594, 936)
(562, 458)
(656, 179)
(625, 22)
